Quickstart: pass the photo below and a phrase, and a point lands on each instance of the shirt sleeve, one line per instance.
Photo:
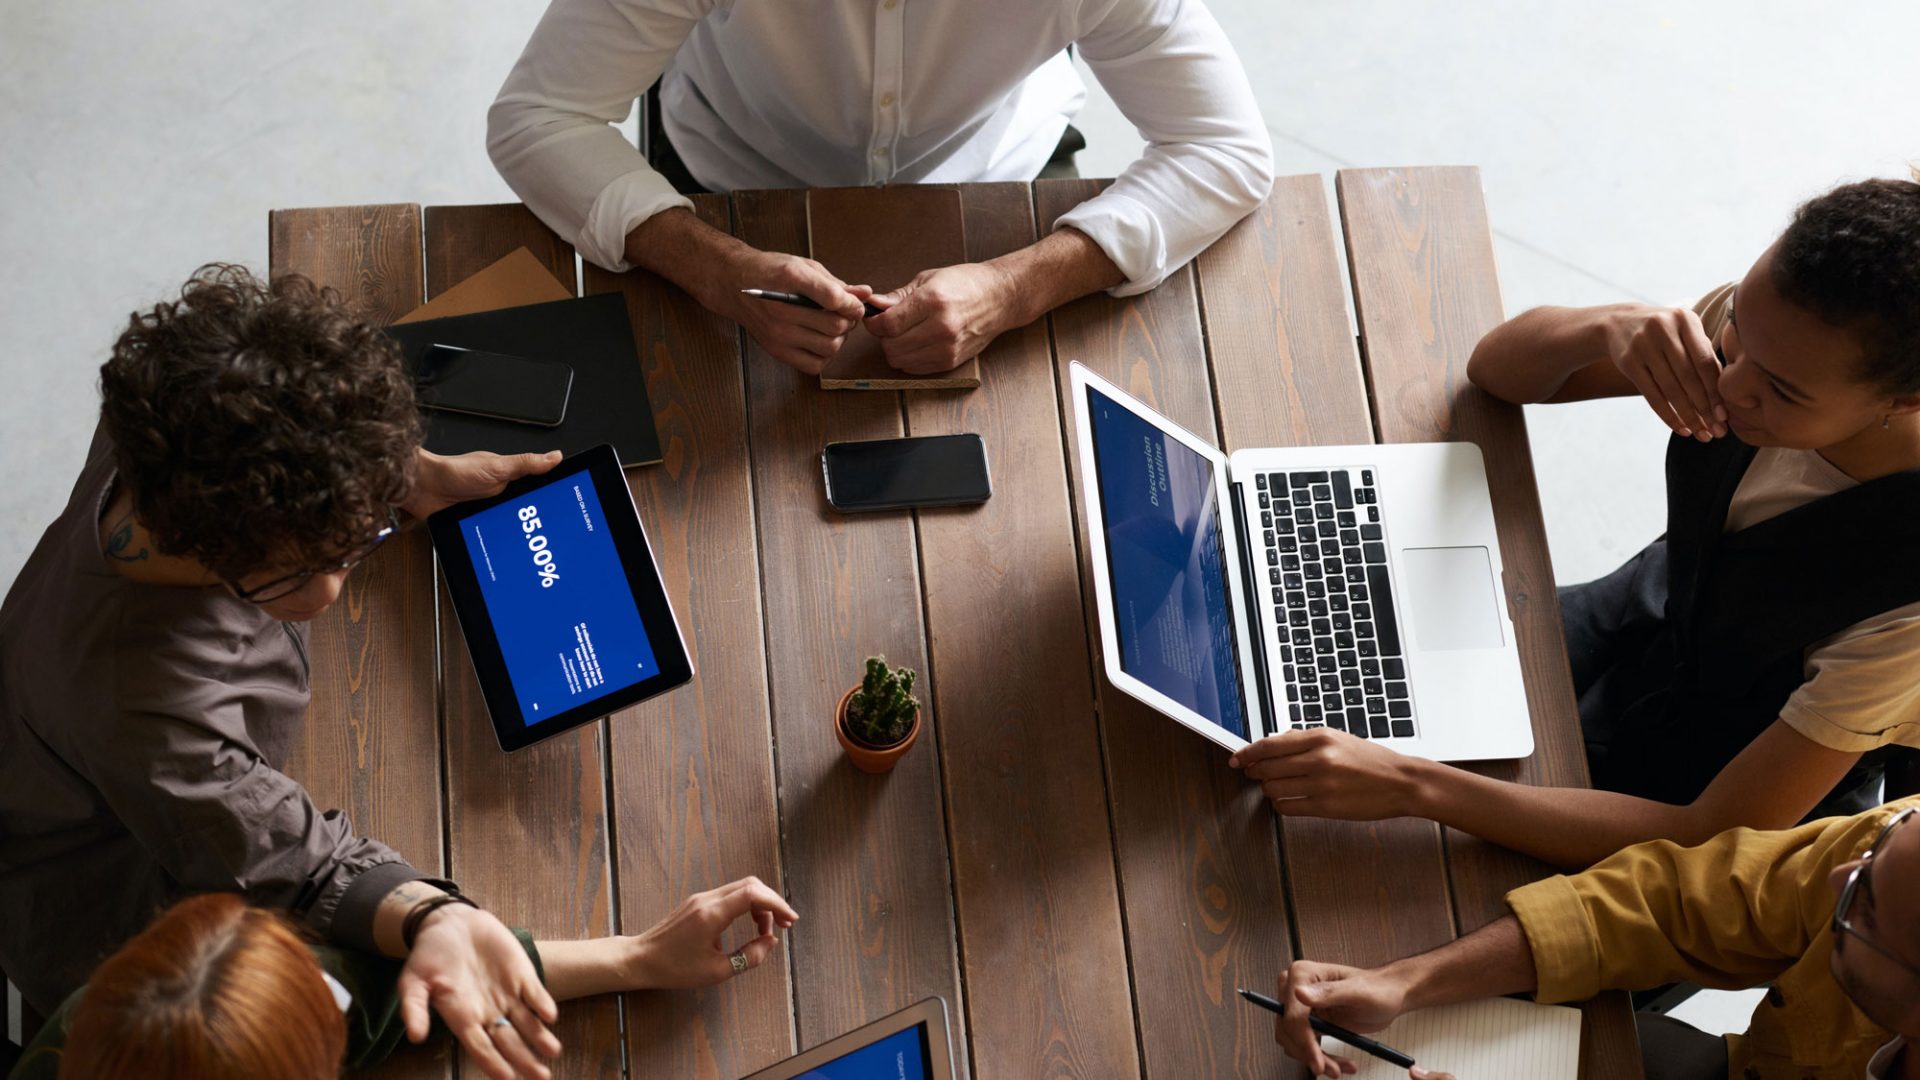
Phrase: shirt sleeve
(1860, 693)
(176, 765)
(1208, 162)
(551, 131)
(1712, 309)
(1734, 912)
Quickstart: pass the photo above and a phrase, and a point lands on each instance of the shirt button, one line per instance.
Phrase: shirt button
(891, 4)
(886, 100)
(880, 153)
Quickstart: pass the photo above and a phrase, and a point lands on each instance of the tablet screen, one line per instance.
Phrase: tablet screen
(900, 1056)
(567, 625)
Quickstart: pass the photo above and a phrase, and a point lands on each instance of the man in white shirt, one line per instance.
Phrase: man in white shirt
(837, 93)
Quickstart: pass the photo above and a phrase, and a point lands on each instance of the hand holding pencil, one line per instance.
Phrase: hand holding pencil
(1316, 999)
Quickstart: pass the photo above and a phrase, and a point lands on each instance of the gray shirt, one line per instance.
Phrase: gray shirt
(141, 729)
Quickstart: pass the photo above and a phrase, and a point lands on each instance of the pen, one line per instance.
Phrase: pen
(797, 300)
(1359, 1042)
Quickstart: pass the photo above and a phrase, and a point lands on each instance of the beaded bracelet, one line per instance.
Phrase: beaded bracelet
(417, 915)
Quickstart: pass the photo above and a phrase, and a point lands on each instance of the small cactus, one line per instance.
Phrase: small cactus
(881, 712)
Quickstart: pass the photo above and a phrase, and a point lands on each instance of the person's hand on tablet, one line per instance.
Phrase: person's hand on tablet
(687, 949)
(441, 482)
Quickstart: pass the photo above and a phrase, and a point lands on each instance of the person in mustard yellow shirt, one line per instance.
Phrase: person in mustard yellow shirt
(1827, 913)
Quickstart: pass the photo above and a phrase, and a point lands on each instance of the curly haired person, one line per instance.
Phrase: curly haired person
(255, 442)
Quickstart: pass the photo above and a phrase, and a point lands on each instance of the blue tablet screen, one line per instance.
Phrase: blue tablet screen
(1165, 563)
(900, 1056)
(558, 598)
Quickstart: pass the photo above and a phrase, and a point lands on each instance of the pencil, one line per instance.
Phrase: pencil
(1326, 1027)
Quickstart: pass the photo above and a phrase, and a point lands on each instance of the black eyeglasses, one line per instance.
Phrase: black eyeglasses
(294, 582)
(1859, 880)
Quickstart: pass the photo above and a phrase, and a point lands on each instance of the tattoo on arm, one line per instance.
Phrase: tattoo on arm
(409, 893)
(121, 539)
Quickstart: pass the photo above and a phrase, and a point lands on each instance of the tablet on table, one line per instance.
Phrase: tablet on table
(559, 599)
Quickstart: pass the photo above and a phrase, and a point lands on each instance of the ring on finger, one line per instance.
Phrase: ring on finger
(738, 958)
(499, 1022)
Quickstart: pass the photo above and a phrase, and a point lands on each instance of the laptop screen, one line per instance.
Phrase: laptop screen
(1165, 563)
(899, 1056)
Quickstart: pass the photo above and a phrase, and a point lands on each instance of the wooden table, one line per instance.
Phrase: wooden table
(1084, 882)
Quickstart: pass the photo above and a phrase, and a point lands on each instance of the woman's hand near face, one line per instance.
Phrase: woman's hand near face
(1666, 354)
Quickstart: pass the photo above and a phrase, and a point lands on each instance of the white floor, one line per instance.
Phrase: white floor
(1634, 150)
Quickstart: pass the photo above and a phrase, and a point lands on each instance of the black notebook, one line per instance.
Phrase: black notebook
(609, 400)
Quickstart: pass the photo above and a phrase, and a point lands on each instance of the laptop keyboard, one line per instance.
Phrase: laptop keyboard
(1341, 662)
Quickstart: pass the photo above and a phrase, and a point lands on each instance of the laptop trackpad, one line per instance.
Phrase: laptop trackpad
(1450, 598)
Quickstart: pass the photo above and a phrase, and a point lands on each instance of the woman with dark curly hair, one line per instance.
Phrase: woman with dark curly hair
(255, 442)
(1756, 663)
(1758, 660)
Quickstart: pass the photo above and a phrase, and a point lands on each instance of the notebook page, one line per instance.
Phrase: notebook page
(1495, 1039)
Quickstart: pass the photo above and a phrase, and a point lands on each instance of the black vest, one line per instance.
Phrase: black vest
(1724, 620)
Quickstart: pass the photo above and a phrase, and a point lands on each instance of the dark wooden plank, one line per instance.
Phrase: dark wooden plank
(1205, 903)
(865, 856)
(1033, 865)
(1286, 374)
(1426, 291)
(371, 744)
(528, 832)
(457, 234)
(693, 782)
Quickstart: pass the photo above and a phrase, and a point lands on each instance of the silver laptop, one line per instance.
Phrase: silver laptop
(1355, 588)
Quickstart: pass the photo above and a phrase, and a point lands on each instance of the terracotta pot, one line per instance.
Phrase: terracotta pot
(864, 757)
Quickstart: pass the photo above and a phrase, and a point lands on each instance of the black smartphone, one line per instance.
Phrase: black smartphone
(494, 385)
(888, 474)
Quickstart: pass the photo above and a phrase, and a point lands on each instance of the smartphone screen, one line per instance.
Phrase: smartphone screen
(494, 385)
(887, 474)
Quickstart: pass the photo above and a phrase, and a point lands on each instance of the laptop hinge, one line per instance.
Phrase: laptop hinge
(1252, 629)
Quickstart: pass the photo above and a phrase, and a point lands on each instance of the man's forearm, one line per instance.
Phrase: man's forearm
(680, 247)
(1493, 961)
(1064, 266)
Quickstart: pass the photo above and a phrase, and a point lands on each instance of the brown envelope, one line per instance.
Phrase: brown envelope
(883, 236)
(514, 281)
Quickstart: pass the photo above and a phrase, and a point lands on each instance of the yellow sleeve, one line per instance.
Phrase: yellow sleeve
(1734, 912)
(1712, 309)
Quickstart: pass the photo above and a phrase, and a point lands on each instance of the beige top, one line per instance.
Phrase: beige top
(1860, 691)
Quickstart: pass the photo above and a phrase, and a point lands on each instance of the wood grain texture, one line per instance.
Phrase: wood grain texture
(1033, 859)
(1205, 901)
(865, 856)
(456, 233)
(1426, 291)
(528, 831)
(371, 744)
(693, 781)
(1286, 374)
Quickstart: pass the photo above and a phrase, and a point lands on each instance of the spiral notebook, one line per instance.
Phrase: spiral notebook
(1495, 1039)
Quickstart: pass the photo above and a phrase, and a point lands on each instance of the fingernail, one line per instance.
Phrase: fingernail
(1684, 432)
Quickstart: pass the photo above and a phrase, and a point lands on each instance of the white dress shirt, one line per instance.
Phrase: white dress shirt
(841, 93)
